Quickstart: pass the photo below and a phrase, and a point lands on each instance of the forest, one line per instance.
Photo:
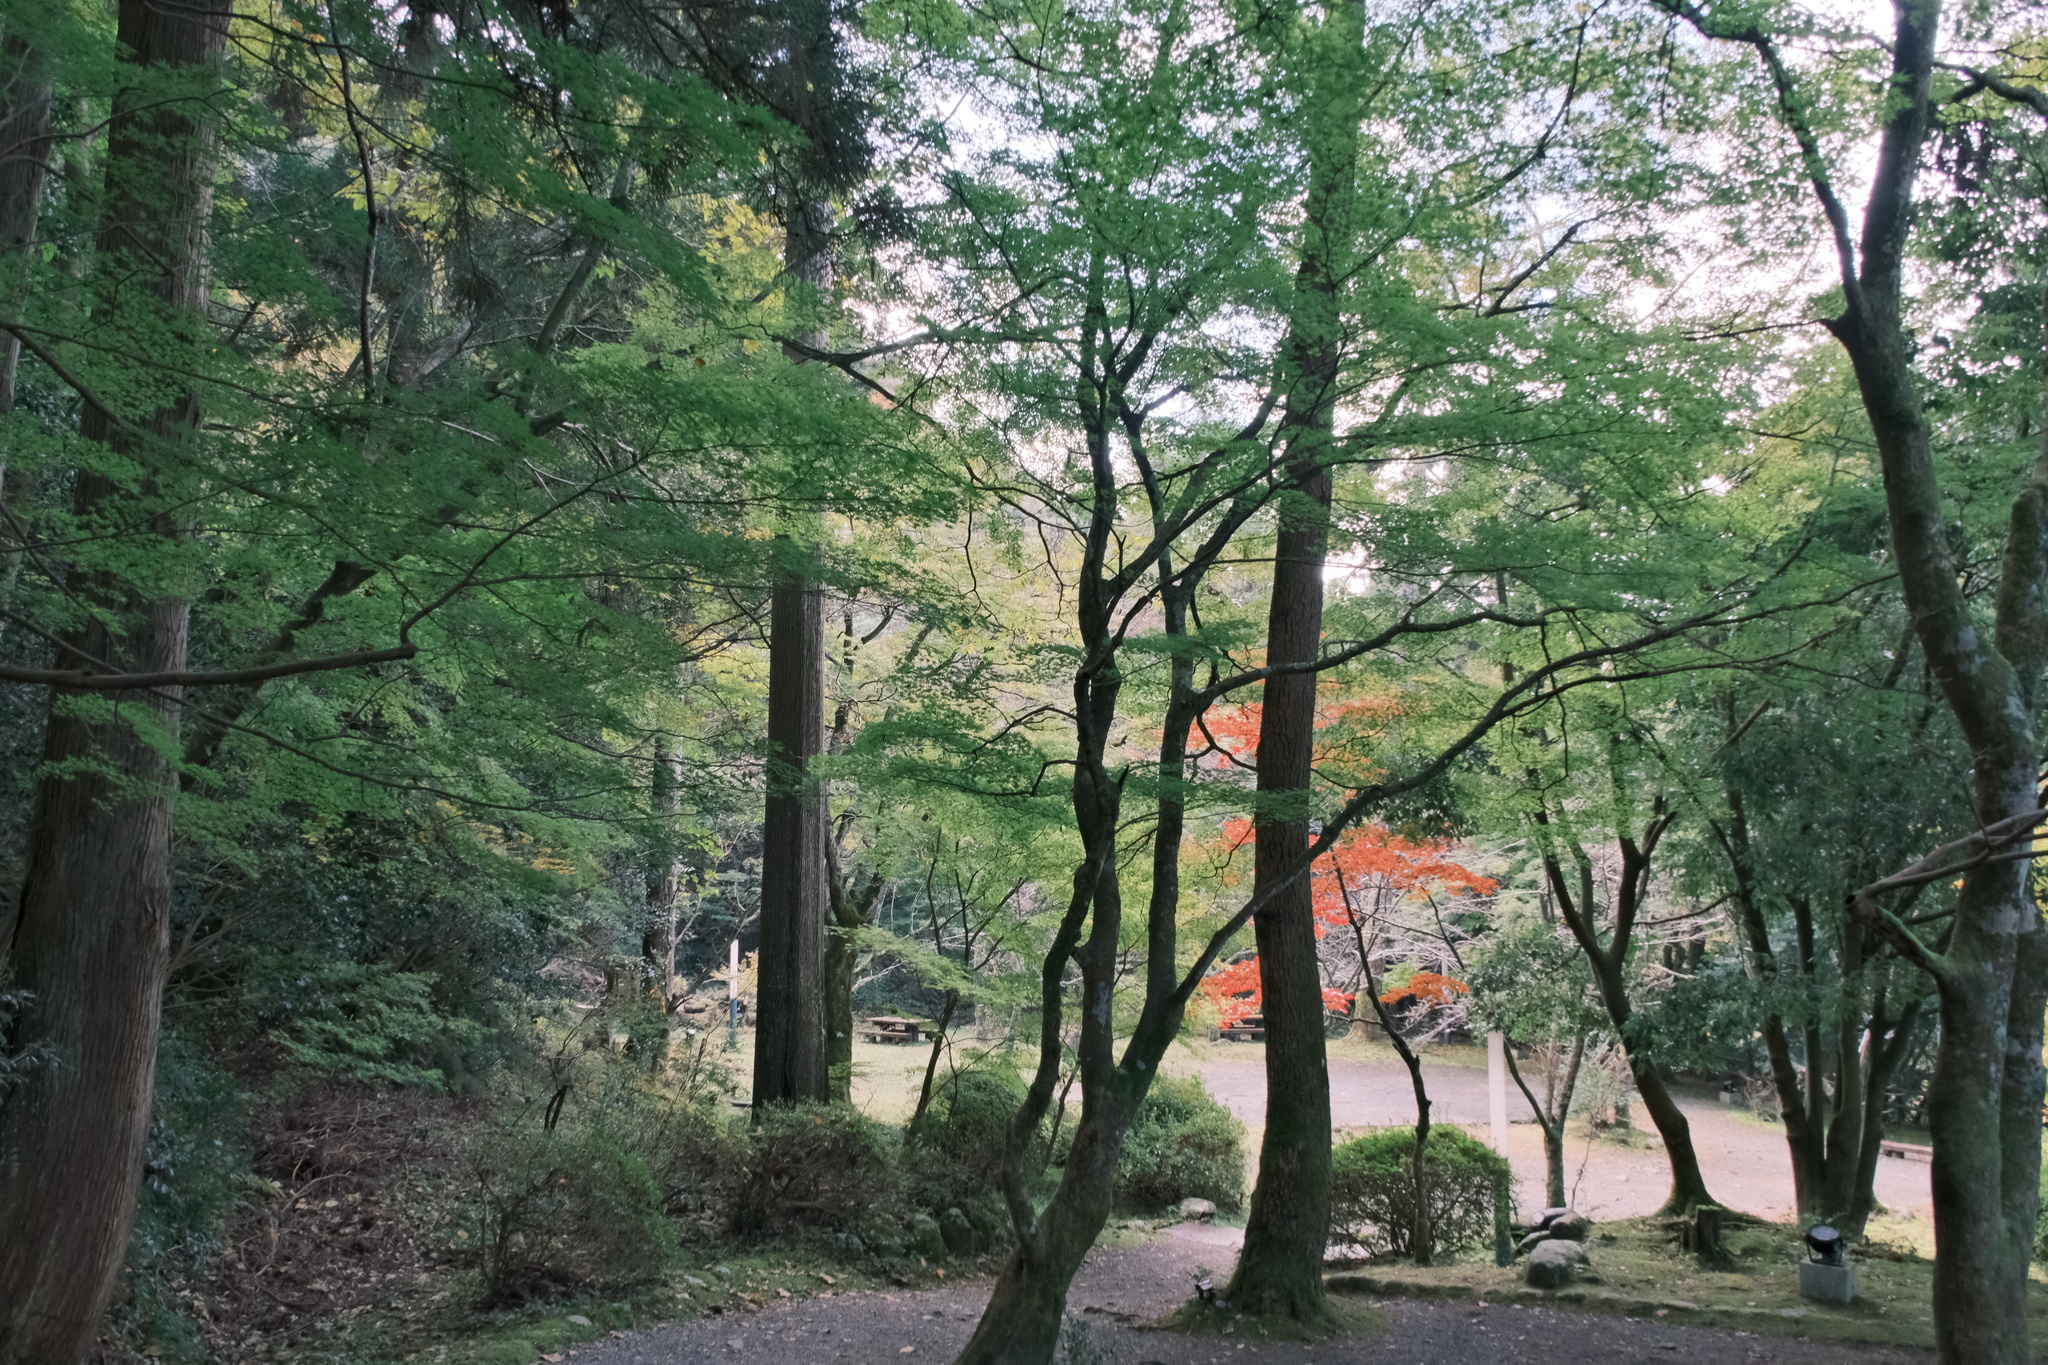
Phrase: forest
(662, 656)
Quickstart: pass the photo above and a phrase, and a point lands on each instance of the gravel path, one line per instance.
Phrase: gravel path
(1743, 1159)
(1120, 1291)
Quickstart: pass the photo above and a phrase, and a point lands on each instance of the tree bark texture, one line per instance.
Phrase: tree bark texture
(1985, 1101)
(789, 1034)
(91, 938)
(1280, 1271)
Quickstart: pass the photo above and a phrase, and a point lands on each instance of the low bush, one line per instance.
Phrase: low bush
(954, 1153)
(1375, 1201)
(1182, 1144)
(811, 1165)
(575, 1207)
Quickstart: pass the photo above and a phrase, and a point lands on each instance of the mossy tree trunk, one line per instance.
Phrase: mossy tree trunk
(1992, 973)
(91, 938)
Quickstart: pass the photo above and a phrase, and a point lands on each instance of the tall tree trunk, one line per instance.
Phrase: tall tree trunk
(91, 938)
(790, 1047)
(24, 157)
(1984, 1104)
(1280, 1271)
(852, 910)
(789, 1033)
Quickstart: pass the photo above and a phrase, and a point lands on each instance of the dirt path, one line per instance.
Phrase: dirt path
(1743, 1158)
(1120, 1291)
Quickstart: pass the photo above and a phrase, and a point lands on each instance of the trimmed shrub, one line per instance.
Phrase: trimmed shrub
(1182, 1144)
(811, 1165)
(955, 1151)
(572, 1209)
(1375, 1202)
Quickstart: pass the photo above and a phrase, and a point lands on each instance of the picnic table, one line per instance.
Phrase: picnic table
(1250, 1029)
(891, 1029)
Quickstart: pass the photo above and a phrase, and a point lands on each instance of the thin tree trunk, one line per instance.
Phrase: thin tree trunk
(1688, 1185)
(1551, 1116)
(664, 881)
(931, 1065)
(1889, 1040)
(92, 937)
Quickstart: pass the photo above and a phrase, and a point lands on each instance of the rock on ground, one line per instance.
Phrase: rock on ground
(1553, 1263)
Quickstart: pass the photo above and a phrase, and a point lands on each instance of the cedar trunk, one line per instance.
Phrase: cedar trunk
(792, 1059)
(90, 939)
(24, 153)
(789, 1036)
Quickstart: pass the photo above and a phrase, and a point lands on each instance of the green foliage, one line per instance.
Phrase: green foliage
(196, 1176)
(575, 1207)
(1183, 1144)
(15, 1064)
(954, 1153)
(1377, 1202)
(2041, 1219)
(357, 1021)
(811, 1166)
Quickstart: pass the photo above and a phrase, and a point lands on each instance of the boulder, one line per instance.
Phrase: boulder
(1548, 1216)
(1553, 1263)
(959, 1235)
(1197, 1210)
(1570, 1226)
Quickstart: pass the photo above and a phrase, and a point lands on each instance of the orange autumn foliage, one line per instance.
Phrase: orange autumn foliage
(1431, 988)
(1362, 854)
(1363, 857)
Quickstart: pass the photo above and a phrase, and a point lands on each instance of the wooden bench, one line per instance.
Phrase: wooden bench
(889, 1029)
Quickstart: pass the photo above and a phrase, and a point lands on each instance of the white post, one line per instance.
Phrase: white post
(732, 999)
(1497, 1088)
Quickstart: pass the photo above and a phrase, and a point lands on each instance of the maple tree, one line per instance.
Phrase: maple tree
(1397, 867)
